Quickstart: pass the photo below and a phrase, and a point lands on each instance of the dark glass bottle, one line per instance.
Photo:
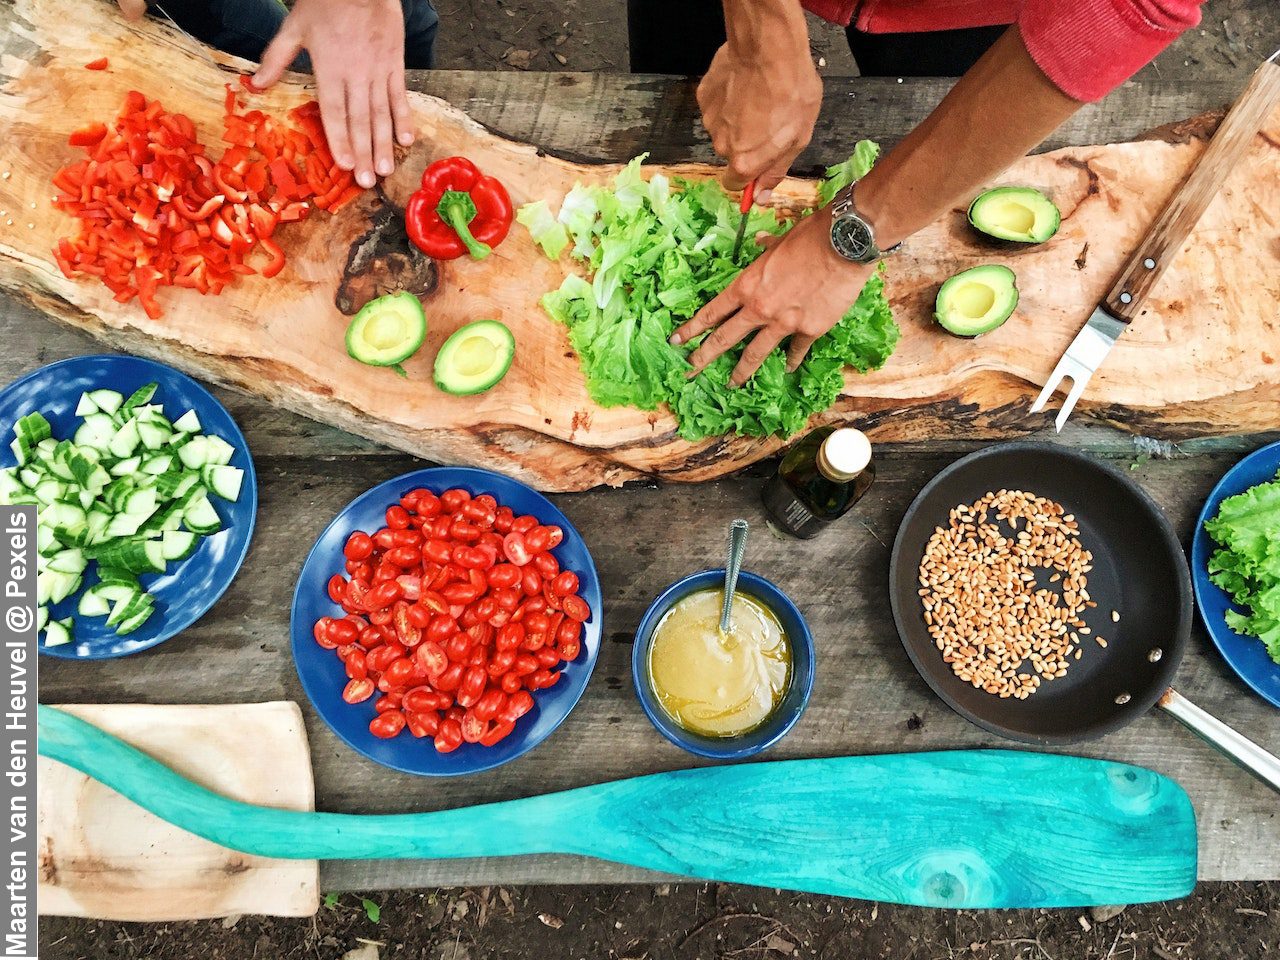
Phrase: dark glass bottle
(819, 479)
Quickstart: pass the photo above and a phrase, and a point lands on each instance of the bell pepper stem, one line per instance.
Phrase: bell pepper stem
(457, 209)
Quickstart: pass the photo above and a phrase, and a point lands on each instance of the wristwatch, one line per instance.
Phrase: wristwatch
(852, 235)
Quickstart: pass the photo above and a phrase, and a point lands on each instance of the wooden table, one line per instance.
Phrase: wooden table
(867, 698)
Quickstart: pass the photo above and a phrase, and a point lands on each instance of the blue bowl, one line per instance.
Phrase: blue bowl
(323, 675)
(1245, 655)
(799, 688)
(186, 591)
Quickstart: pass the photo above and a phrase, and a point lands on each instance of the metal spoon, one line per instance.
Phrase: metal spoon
(733, 566)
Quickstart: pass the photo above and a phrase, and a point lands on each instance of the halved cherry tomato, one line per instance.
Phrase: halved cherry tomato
(422, 724)
(454, 499)
(516, 550)
(337, 588)
(547, 566)
(321, 633)
(538, 540)
(497, 732)
(397, 517)
(577, 609)
(357, 690)
(449, 738)
(565, 584)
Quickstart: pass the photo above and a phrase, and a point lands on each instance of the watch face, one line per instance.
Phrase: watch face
(852, 238)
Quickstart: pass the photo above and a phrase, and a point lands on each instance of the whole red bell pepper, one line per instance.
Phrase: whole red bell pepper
(457, 210)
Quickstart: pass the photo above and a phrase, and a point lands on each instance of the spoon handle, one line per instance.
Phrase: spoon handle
(737, 545)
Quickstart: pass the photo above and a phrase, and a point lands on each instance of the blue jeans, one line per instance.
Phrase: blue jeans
(243, 28)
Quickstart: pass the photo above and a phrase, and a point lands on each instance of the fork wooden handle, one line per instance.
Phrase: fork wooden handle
(1149, 261)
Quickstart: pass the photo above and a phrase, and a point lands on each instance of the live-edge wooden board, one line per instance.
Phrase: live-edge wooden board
(103, 856)
(1202, 360)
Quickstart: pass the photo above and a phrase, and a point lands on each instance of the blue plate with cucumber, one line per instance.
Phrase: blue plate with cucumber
(146, 500)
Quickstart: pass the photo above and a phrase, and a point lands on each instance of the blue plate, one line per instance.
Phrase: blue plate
(186, 591)
(1246, 655)
(323, 675)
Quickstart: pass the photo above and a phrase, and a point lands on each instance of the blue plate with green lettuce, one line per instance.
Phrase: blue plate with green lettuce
(654, 252)
(1235, 563)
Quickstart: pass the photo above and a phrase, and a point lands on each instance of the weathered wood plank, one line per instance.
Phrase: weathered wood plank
(865, 695)
(609, 117)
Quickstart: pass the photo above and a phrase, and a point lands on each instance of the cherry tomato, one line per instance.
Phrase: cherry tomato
(565, 584)
(359, 546)
(390, 702)
(359, 568)
(511, 682)
(321, 633)
(473, 728)
(370, 637)
(550, 597)
(489, 552)
(487, 706)
(478, 512)
(426, 700)
(569, 649)
(357, 690)
(537, 622)
(448, 680)
(509, 637)
(384, 539)
(449, 737)
(461, 593)
(531, 583)
(513, 545)
(576, 608)
(501, 662)
(431, 657)
(485, 607)
(488, 501)
(519, 704)
(457, 647)
(397, 517)
(404, 557)
(379, 658)
(437, 551)
(533, 642)
(410, 586)
(472, 686)
(496, 733)
(452, 500)
(523, 524)
(398, 672)
(537, 540)
(385, 571)
(406, 632)
(418, 615)
(541, 679)
(524, 665)
(503, 576)
(387, 725)
(422, 724)
(337, 588)
(502, 520)
(380, 618)
(383, 595)
(546, 565)
(556, 535)
(473, 558)
(508, 599)
(354, 661)
(569, 631)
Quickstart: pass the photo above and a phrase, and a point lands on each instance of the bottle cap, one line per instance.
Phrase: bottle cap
(844, 454)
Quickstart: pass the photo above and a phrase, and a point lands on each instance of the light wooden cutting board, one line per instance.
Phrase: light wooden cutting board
(1204, 358)
(101, 856)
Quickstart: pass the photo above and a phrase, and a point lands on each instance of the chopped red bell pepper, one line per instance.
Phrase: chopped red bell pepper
(99, 64)
(87, 135)
(457, 210)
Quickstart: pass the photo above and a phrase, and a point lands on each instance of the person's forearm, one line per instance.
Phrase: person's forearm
(766, 28)
(997, 112)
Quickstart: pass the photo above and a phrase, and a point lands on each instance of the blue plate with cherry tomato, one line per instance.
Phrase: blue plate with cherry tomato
(447, 621)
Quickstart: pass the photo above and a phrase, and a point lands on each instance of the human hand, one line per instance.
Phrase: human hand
(133, 9)
(777, 297)
(760, 105)
(357, 52)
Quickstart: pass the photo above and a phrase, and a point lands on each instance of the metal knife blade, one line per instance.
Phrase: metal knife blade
(203, 50)
(744, 206)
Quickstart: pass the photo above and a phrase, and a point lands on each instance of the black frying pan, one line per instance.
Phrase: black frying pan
(1139, 569)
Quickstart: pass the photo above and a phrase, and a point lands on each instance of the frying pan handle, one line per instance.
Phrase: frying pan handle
(1263, 765)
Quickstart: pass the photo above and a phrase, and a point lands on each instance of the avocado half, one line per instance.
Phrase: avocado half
(387, 330)
(475, 358)
(1020, 214)
(977, 300)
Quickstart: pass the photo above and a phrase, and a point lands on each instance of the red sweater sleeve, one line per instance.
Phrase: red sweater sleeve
(1090, 47)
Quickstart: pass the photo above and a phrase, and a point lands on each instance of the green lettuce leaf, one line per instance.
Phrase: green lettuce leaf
(852, 170)
(546, 230)
(1247, 564)
(654, 253)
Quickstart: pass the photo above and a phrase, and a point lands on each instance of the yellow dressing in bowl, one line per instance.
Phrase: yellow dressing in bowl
(715, 684)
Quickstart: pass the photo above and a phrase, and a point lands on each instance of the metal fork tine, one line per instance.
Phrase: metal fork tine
(1050, 386)
(1078, 383)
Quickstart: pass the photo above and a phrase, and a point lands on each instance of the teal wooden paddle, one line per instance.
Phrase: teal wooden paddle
(988, 828)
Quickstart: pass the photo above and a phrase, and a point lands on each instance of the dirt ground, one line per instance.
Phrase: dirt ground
(1232, 921)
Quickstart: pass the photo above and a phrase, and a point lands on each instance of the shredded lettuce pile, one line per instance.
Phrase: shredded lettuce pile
(1247, 565)
(655, 252)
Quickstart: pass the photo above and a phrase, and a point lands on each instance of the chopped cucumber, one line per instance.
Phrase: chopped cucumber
(58, 632)
(117, 493)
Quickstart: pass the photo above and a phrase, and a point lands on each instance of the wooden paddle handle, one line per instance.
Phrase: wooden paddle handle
(1145, 266)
